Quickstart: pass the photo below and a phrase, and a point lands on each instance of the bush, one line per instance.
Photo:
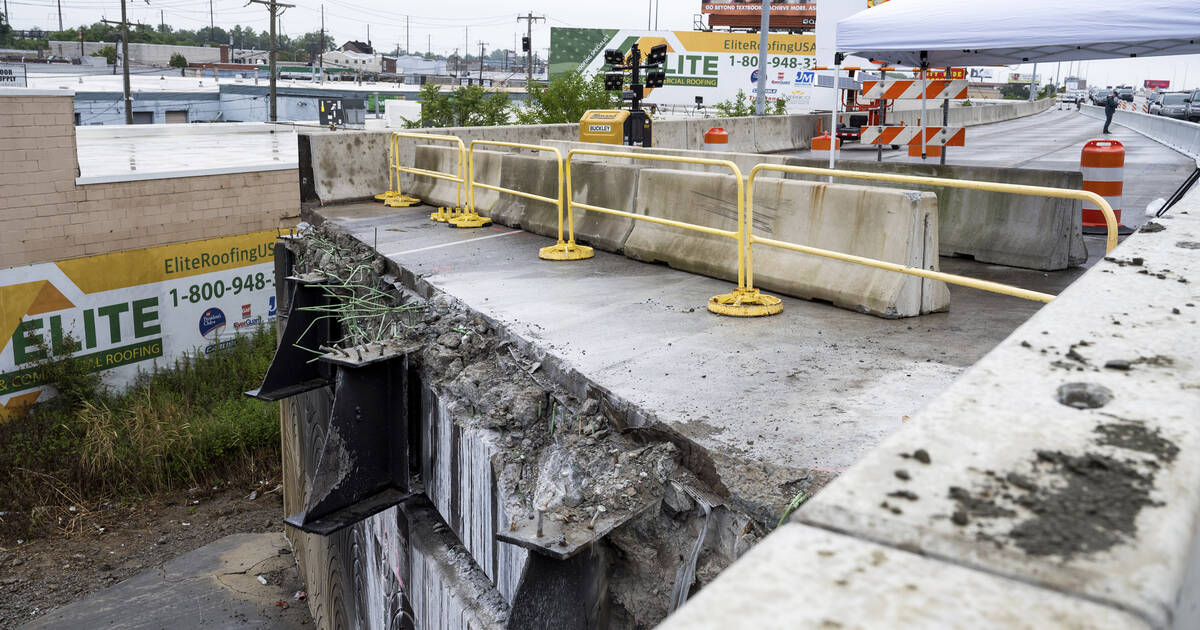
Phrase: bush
(741, 105)
(565, 99)
(108, 52)
(178, 427)
(177, 61)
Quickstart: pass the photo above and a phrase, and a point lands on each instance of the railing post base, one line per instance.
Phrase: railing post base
(468, 220)
(566, 251)
(396, 199)
(745, 303)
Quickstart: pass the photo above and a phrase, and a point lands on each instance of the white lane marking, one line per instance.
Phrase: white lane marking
(470, 240)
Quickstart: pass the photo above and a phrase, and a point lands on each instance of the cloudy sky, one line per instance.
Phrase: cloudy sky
(467, 22)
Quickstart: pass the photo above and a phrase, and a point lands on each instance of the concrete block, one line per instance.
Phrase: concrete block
(1006, 229)
(805, 577)
(607, 186)
(434, 191)
(889, 225)
(740, 130)
(773, 133)
(487, 171)
(669, 134)
(699, 198)
(1049, 463)
(348, 164)
(534, 175)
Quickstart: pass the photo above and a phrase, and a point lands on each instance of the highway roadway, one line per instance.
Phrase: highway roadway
(1053, 140)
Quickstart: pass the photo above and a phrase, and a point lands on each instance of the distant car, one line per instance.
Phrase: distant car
(1193, 109)
(1154, 103)
(1173, 105)
(1125, 94)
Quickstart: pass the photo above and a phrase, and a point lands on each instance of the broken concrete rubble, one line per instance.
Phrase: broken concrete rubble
(565, 471)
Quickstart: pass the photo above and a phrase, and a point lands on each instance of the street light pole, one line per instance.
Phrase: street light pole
(764, 31)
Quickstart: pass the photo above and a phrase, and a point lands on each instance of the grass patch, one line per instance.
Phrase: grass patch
(182, 426)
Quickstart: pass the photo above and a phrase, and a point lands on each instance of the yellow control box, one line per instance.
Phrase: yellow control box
(606, 126)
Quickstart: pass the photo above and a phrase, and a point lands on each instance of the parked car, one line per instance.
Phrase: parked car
(1154, 102)
(1173, 105)
(1193, 106)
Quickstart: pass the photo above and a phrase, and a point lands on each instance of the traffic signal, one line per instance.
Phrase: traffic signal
(524, 43)
(613, 81)
(613, 57)
(657, 55)
(655, 78)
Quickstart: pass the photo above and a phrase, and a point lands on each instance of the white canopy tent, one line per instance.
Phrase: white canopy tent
(985, 33)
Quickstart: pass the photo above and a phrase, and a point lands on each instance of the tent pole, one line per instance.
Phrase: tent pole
(833, 141)
(924, 102)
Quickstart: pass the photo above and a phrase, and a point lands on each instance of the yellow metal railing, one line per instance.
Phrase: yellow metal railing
(393, 197)
(557, 201)
(745, 301)
(443, 215)
(983, 285)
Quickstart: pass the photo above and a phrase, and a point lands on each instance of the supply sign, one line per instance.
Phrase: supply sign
(128, 312)
(711, 65)
(12, 75)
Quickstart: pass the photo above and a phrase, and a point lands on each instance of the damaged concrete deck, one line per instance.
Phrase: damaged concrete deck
(812, 388)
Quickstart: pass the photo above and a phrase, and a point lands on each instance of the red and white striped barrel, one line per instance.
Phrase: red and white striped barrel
(821, 146)
(716, 139)
(1103, 165)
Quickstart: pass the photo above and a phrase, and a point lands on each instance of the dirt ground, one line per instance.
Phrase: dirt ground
(109, 543)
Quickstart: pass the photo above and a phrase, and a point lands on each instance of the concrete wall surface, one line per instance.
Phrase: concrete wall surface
(1180, 135)
(1056, 481)
(45, 216)
(1005, 229)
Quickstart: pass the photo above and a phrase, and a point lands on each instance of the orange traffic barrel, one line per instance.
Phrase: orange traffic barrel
(1103, 167)
(716, 139)
(822, 143)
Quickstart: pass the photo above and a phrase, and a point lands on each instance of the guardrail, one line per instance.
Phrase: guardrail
(744, 301)
(442, 215)
(393, 197)
(561, 251)
(983, 285)
(1180, 135)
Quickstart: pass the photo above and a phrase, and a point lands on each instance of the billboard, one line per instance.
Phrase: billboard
(128, 311)
(1156, 84)
(711, 65)
(785, 14)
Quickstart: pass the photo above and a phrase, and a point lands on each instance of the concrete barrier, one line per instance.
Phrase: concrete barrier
(433, 191)
(698, 198)
(1180, 135)
(890, 225)
(1015, 230)
(350, 165)
(531, 174)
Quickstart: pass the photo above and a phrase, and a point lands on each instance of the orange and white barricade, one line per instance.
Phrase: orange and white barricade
(823, 144)
(1103, 165)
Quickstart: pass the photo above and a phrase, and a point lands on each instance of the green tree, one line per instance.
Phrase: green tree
(466, 106)
(565, 100)
(177, 61)
(738, 106)
(108, 52)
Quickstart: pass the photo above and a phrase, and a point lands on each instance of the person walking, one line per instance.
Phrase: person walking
(1110, 107)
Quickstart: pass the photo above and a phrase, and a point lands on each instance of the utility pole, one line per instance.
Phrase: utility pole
(407, 37)
(211, 22)
(321, 54)
(60, 28)
(529, 20)
(481, 45)
(162, 21)
(764, 34)
(274, 7)
(125, 62)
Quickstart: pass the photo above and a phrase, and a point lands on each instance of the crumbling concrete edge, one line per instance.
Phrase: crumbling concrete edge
(983, 478)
